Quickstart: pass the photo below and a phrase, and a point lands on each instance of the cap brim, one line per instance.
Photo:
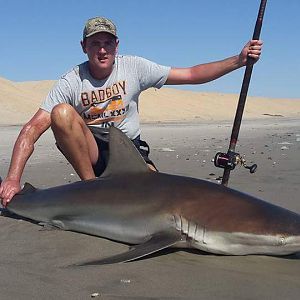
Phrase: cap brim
(98, 31)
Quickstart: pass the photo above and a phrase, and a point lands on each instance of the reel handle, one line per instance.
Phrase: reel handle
(252, 168)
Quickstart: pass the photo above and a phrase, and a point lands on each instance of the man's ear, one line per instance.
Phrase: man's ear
(82, 43)
(117, 45)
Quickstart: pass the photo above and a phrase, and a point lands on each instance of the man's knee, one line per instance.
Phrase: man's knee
(62, 112)
(62, 115)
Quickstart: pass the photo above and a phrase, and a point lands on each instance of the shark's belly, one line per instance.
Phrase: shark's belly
(239, 243)
(132, 229)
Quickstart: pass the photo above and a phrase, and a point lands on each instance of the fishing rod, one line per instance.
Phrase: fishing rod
(229, 160)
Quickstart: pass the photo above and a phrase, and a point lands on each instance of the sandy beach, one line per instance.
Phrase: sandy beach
(35, 263)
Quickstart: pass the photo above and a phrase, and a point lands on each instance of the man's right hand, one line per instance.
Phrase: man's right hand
(8, 189)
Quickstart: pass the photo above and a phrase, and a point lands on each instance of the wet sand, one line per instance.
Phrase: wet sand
(34, 263)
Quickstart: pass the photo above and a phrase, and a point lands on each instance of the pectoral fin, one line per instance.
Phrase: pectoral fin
(157, 242)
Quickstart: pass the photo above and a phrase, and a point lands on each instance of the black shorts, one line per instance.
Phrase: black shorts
(102, 139)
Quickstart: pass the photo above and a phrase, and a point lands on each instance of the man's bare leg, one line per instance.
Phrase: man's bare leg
(151, 168)
(75, 140)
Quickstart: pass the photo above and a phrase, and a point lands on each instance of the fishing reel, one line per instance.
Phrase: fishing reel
(230, 159)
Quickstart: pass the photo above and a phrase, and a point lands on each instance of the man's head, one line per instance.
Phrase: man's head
(100, 43)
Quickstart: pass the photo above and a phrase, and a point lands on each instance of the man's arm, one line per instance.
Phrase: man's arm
(211, 71)
(23, 149)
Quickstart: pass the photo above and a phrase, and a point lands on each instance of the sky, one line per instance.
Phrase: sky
(40, 39)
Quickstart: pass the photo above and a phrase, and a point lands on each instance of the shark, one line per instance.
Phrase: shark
(151, 211)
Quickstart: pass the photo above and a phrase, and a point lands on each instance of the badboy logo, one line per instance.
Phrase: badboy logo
(104, 105)
(102, 95)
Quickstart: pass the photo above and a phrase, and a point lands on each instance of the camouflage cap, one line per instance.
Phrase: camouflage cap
(99, 24)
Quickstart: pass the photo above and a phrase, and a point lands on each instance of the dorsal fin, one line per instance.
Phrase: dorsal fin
(123, 155)
(27, 188)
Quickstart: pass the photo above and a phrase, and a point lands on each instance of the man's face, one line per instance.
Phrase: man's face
(101, 49)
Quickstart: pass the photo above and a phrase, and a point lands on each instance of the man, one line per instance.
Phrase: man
(104, 92)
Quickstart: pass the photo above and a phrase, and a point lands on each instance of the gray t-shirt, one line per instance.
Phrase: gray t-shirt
(112, 101)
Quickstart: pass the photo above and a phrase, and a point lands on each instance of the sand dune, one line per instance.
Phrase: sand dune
(19, 101)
